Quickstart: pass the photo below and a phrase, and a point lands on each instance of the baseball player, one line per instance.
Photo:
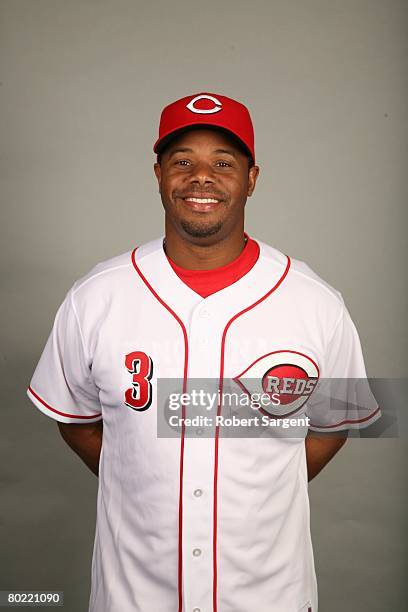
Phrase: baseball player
(197, 522)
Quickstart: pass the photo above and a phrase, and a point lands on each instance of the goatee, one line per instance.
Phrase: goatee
(200, 230)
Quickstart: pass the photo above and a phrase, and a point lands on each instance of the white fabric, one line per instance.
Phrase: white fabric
(263, 548)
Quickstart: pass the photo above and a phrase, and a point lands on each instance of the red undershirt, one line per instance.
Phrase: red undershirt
(206, 282)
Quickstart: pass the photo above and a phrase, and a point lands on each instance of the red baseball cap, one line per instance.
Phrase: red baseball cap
(206, 109)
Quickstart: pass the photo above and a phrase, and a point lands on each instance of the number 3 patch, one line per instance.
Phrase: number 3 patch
(140, 366)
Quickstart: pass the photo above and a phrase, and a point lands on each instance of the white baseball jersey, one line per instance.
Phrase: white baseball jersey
(192, 523)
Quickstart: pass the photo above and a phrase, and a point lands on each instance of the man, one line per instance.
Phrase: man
(202, 520)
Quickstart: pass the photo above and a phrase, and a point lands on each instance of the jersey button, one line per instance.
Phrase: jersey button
(199, 431)
(196, 610)
(204, 314)
(198, 492)
(197, 552)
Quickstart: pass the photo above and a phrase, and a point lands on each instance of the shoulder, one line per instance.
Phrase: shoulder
(302, 282)
(112, 278)
(104, 274)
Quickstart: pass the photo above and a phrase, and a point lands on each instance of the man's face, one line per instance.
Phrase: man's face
(204, 182)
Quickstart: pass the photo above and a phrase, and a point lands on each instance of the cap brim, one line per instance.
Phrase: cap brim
(162, 143)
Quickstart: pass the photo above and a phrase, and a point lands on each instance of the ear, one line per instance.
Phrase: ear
(252, 177)
(157, 171)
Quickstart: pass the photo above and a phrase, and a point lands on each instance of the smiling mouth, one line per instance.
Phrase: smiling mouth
(201, 205)
(202, 200)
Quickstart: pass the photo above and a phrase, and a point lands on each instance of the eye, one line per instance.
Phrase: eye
(182, 162)
(224, 164)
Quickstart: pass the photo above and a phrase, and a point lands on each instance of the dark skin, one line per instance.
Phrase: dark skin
(202, 163)
(85, 440)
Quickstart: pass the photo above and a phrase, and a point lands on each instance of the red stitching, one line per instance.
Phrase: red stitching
(65, 414)
(183, 414)
(224, 335)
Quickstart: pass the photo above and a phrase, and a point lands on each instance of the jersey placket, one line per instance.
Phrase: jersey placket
(199, 465)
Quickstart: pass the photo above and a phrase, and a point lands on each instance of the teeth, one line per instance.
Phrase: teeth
(202, 200)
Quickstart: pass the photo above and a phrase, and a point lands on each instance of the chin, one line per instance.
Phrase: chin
(201, 230)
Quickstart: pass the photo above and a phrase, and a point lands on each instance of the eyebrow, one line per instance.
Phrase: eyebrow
(227, 151)
(188, 150)
(180, 150)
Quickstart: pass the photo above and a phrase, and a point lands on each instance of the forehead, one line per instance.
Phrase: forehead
(205, 139)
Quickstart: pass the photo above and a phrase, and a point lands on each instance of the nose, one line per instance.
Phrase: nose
(202, 174)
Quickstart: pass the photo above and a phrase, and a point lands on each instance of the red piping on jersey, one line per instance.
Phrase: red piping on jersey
(71, 416)
(282, 278)
(180, 322)
(348, 421)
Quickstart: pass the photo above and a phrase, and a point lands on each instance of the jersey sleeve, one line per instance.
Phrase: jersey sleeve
(62, 386)
(343, 398)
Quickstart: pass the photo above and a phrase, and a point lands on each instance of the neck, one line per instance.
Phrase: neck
(198, 256)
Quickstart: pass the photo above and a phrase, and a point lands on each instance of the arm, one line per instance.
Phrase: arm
(320, 449)
(85, 440)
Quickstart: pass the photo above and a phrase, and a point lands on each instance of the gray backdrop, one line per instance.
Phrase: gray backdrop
(82, 86)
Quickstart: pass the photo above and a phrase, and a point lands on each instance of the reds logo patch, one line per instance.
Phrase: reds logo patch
(287, 377)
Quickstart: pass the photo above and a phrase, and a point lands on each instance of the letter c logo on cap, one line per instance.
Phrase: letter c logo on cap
(217, 105)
